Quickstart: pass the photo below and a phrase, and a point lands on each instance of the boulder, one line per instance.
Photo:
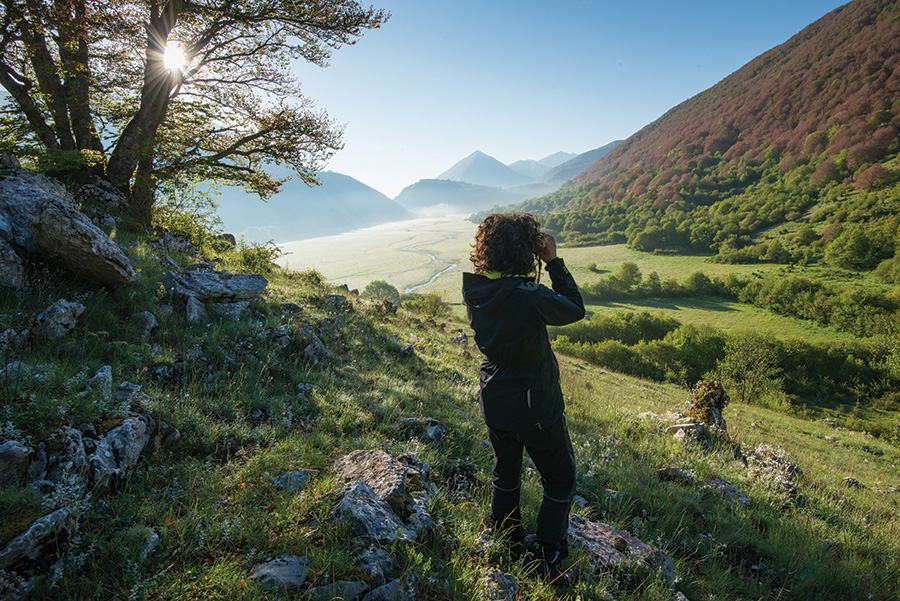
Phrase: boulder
(215, 287)
(40, 537)
(606, 546)
(119, 449)
(284, 573)
(371, 518)
(315, 352)
(380, 472)
(58, 319)
(41, 218)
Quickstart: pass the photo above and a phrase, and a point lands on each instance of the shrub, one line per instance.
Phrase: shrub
(381, 290)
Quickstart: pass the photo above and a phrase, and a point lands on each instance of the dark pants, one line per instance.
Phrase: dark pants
(551, 451)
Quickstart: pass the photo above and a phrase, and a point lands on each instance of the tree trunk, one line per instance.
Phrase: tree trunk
(73, 51)
(158, 84)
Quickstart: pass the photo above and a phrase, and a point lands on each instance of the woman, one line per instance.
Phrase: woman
(521, 400)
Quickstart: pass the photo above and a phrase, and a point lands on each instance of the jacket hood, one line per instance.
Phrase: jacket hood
(486, 294)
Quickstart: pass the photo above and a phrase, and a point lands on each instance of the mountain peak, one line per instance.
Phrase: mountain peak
(484, 170)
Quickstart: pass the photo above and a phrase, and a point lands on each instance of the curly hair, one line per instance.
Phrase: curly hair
(508, 243)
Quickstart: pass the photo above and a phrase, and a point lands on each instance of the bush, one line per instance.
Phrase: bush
(431, 304)
(381, 290)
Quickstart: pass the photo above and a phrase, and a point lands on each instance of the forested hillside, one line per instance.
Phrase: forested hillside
(805, 133)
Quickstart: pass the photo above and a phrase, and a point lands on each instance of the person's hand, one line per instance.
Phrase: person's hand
(548, 251)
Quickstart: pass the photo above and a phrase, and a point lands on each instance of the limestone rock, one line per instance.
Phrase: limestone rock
(195, 310)
(215, 287)
(101, 382)
(119, 449)
(383, 474)
(41, 218)
(729, 492)
(13, 461)
(607, 546)
(12, 270)
(64, 464)
(498, 586)
(341, 589)
(315, 352)
(426, 427)
(150, 323)
(40, 536)
(371, 517)
(284, 573)
(58, 319)
(294, 480)
(405, 589)
(377, 564)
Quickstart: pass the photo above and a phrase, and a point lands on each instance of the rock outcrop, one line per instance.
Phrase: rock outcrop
(38, 217)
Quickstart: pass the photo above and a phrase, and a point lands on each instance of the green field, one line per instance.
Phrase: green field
(409, 254)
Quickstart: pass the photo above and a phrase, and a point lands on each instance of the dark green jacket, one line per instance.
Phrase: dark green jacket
(519, 376)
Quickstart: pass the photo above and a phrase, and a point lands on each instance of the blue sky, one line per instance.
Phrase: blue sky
(524, 79)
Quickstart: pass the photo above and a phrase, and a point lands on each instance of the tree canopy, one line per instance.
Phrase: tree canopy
(152, 91)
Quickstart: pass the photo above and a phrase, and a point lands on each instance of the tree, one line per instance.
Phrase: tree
(749, 364)
(99, 79)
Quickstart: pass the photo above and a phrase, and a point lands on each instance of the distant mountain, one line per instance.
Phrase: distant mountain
(567, 170)
(484, 170)
(448, 197)
(529, 168)
(557, 158)
(298, 212)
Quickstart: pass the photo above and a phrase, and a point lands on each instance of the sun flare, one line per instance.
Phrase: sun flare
(174, 58)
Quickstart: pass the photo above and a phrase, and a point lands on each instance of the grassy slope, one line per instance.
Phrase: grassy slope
(210, 500)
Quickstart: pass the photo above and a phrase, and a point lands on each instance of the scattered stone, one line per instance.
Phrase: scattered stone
(371, 518)
(828, 421)
(315, 352)
(616, 495)
(679, 596)
(729, 492)
(152, 541)
(216, 287)
(14, 587)
(377, 564)
(295, 480)
(339, 590)
(64, 464)
(462, 339)
(284, 573)
(40, 218)
(101, 383)
(498, 586)
(126, 392)
(58, 319)
(427, 427)
(485, 542)
(603, 547)
(407, 350)
(851, 482)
